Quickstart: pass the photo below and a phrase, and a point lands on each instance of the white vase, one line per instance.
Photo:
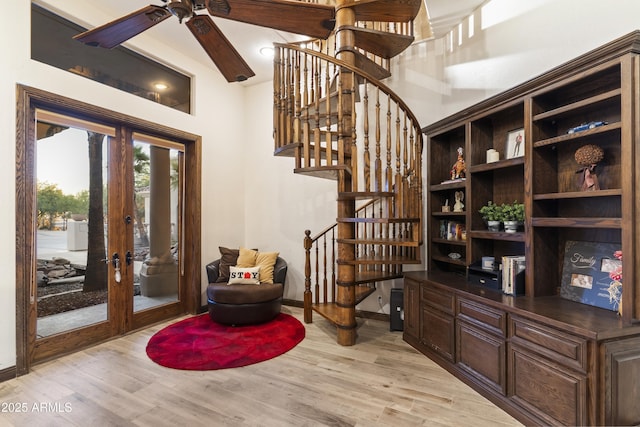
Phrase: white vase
(511, 226)
(493, 225)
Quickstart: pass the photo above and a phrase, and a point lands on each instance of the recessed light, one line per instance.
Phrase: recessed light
(267, 51)
(160, 86)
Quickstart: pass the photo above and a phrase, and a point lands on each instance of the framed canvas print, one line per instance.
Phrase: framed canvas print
(515, 144)
(585, 274)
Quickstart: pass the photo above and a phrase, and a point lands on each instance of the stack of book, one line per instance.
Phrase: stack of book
(513, 274)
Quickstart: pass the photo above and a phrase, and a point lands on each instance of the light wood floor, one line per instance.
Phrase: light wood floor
(381, 381)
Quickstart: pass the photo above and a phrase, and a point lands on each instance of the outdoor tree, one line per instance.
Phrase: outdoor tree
(50, 202)
(141, 163)
(96, 274)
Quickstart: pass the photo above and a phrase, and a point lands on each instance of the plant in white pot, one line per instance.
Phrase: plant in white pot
(512, 216)
(492, 214)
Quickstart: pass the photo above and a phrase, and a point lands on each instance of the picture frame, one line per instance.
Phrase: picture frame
(515, 144)
(585, 273)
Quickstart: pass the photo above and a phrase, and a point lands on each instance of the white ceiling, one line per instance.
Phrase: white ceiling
(248, 39)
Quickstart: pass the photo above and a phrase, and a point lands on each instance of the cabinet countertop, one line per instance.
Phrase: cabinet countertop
(581, 319)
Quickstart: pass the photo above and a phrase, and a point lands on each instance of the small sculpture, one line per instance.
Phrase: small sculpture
(588, 156)
(459, 168)
(458, 205)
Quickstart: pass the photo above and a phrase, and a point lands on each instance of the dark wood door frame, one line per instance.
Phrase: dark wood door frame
(28, 100)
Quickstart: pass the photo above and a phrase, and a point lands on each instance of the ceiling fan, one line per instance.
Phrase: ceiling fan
(310, 19)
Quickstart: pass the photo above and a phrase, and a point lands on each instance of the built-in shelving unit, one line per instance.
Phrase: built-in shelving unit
(545, 359)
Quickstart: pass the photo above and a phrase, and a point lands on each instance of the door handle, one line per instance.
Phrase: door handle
(115, 260)
(128, 258)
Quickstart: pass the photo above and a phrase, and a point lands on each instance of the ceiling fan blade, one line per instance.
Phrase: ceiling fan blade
(223, 54)
(310, 19)
(115, 32)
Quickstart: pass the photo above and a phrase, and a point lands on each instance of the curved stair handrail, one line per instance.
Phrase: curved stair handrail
(369, 77)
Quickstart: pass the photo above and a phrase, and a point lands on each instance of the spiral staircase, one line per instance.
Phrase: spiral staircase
(336, 118)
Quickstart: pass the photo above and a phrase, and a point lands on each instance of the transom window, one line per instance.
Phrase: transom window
(121, 68)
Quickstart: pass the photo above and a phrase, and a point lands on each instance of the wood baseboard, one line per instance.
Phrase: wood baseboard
(8, 373)
(359, 313)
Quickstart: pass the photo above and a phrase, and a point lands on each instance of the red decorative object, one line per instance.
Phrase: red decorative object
(459, 168)
(200, 344)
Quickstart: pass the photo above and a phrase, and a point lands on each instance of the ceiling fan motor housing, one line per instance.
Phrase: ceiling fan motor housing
(182, 9)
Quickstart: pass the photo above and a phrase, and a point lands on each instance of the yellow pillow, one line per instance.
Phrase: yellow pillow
(246, 258)
(266, 261)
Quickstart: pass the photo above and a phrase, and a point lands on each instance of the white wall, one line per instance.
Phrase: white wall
(511, 41)
(222, 138)
(280, 205)
(252, 198)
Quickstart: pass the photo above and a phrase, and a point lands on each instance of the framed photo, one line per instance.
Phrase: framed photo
(585, 274)
(515, 144)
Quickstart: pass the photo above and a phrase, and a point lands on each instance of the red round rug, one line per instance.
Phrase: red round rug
(200, 344)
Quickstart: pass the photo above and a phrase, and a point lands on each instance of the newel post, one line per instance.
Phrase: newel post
(308, 244)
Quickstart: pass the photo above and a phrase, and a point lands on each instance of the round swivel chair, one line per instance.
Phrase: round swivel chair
(243, 304)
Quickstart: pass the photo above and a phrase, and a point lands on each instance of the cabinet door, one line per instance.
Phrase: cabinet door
(482, 354)
(622, 389)
(437, 332)
(548, 391)
(411, 308)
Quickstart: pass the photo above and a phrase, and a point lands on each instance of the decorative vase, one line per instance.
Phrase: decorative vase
(493, 225)
(511, 226)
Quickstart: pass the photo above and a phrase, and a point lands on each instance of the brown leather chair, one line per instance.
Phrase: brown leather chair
(241, 304)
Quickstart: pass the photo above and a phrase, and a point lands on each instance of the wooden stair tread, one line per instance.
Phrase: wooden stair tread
(367, 65)
(329, 311)
(357, 195)
(381, 43)
(381, 260)
(379, 220)
(362, 292)
(289, 150)
(327, 172)
(384, 10)
(375, 276)
(390, 241)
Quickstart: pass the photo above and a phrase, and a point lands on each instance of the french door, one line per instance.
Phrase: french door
(105, 221)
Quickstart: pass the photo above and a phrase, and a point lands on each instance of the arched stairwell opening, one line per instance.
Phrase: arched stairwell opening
(336, 118)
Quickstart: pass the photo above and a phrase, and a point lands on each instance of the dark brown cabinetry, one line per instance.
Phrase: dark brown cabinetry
(544, 359)
(436, 331)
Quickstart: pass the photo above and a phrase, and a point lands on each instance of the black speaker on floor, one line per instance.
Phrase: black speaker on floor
(397, 309)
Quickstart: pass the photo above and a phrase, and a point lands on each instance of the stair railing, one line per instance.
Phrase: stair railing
(383, 157)
(386, 149)
(321, 262)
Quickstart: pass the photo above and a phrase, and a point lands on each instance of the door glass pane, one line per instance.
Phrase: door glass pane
(157, 219)
(71, 236)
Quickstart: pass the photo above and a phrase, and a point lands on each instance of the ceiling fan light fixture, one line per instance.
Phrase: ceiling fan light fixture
(161, 86)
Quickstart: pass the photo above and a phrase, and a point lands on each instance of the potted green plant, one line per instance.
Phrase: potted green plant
(512, 216)
(492, 214)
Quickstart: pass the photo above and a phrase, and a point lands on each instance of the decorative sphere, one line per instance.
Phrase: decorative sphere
(589, 155)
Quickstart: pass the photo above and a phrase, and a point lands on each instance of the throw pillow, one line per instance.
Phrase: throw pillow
(228, 258)
(247, 257)
(244, 275)
(266, 261)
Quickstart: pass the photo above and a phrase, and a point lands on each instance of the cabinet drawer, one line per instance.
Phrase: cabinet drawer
(437, 298)
(487, 317)
(554, 395)
(482, 354)
(437, 332)
(569, 350)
